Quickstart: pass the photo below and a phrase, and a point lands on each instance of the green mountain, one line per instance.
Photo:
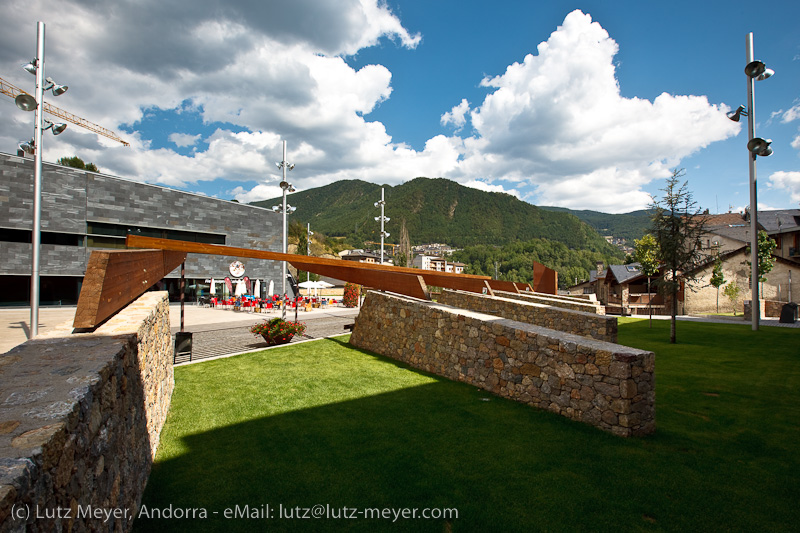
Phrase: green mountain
(436, 210)
(628, 226)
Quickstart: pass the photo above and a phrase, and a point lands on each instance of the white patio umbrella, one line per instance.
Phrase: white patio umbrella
(211, 290)
(241, 290)
(257, 289)
(271, 290)
(308, 285)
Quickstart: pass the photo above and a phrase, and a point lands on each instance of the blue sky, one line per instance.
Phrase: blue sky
(586, 105)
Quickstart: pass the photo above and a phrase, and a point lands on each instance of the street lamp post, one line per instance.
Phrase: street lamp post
(28, 103)
(755, 71)
(383, 219)
(287, 187)
(308, 239)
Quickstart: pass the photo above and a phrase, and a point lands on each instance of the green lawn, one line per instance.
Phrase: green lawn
(324, 423)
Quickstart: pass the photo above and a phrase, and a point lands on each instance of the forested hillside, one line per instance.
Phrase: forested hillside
(436, 210)
(628, 226)
(490, 227)
(515, 260)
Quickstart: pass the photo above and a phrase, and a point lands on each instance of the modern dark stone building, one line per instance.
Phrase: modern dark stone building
(83, 211)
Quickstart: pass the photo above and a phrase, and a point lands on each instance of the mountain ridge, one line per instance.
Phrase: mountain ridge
(436, 210)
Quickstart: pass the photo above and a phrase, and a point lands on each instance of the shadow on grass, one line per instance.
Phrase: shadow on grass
(504, 466)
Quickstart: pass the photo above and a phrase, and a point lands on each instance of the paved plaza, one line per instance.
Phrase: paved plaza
(215, 332)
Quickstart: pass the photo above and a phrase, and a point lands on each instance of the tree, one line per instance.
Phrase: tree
(646, 253)
(766, 262)
(405, 245)
(77, 162)
(677, 224)
(732, 291)
(717, 278)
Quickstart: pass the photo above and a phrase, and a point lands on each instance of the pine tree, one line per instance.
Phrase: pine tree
(678, 225)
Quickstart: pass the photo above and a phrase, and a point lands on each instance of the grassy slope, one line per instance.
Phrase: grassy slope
(324, 423)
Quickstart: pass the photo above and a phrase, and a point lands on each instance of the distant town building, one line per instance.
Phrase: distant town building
(438, 264)
(437, 249)
(364, 256)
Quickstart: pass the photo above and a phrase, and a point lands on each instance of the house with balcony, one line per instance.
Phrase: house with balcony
(784, 227)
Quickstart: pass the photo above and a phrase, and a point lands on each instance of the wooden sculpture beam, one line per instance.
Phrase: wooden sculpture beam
(398, 277)
(114, 278)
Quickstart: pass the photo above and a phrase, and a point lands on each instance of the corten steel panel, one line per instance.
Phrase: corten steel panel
(545, 279)
(114, 278)
(498, 285)
(447, 280)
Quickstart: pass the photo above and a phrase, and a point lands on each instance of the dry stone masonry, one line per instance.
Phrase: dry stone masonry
(606, 385)
(80, 418)
(573, 303)
(600, 327)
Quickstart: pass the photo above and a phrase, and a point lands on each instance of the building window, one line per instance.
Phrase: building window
(46, 237)
(122, 230)
(93, 241)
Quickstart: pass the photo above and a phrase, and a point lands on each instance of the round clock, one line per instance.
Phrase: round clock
(237, 269)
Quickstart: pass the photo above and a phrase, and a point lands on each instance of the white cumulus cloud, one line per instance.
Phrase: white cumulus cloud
(557, 121)
(456, 116)
(789, 182)
(184, 140)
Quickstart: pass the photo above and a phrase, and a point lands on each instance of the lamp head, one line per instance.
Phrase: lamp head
(735, 115)
(25, 102)
(28, 147)
(766, 74)
(58, 90)
(759, 146)
(284, 185)
(31, 67)
(59, 128)
(755, 69)
(291, 167)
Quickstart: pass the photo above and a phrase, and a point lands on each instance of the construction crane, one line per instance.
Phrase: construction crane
(11, 90)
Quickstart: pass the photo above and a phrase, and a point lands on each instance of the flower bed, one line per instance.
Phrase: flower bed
(277, 330)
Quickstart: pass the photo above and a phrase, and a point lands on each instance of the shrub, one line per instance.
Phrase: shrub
(352, 292)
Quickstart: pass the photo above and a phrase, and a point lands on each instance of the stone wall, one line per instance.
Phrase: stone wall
(564, 302)
(606, 385)
(590, 325)
(80, 419)
(767, 309)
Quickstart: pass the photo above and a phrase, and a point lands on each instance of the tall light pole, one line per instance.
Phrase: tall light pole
(755, 71)
(28, 103)
(308, 238)
(287, 187)
(383, 219)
